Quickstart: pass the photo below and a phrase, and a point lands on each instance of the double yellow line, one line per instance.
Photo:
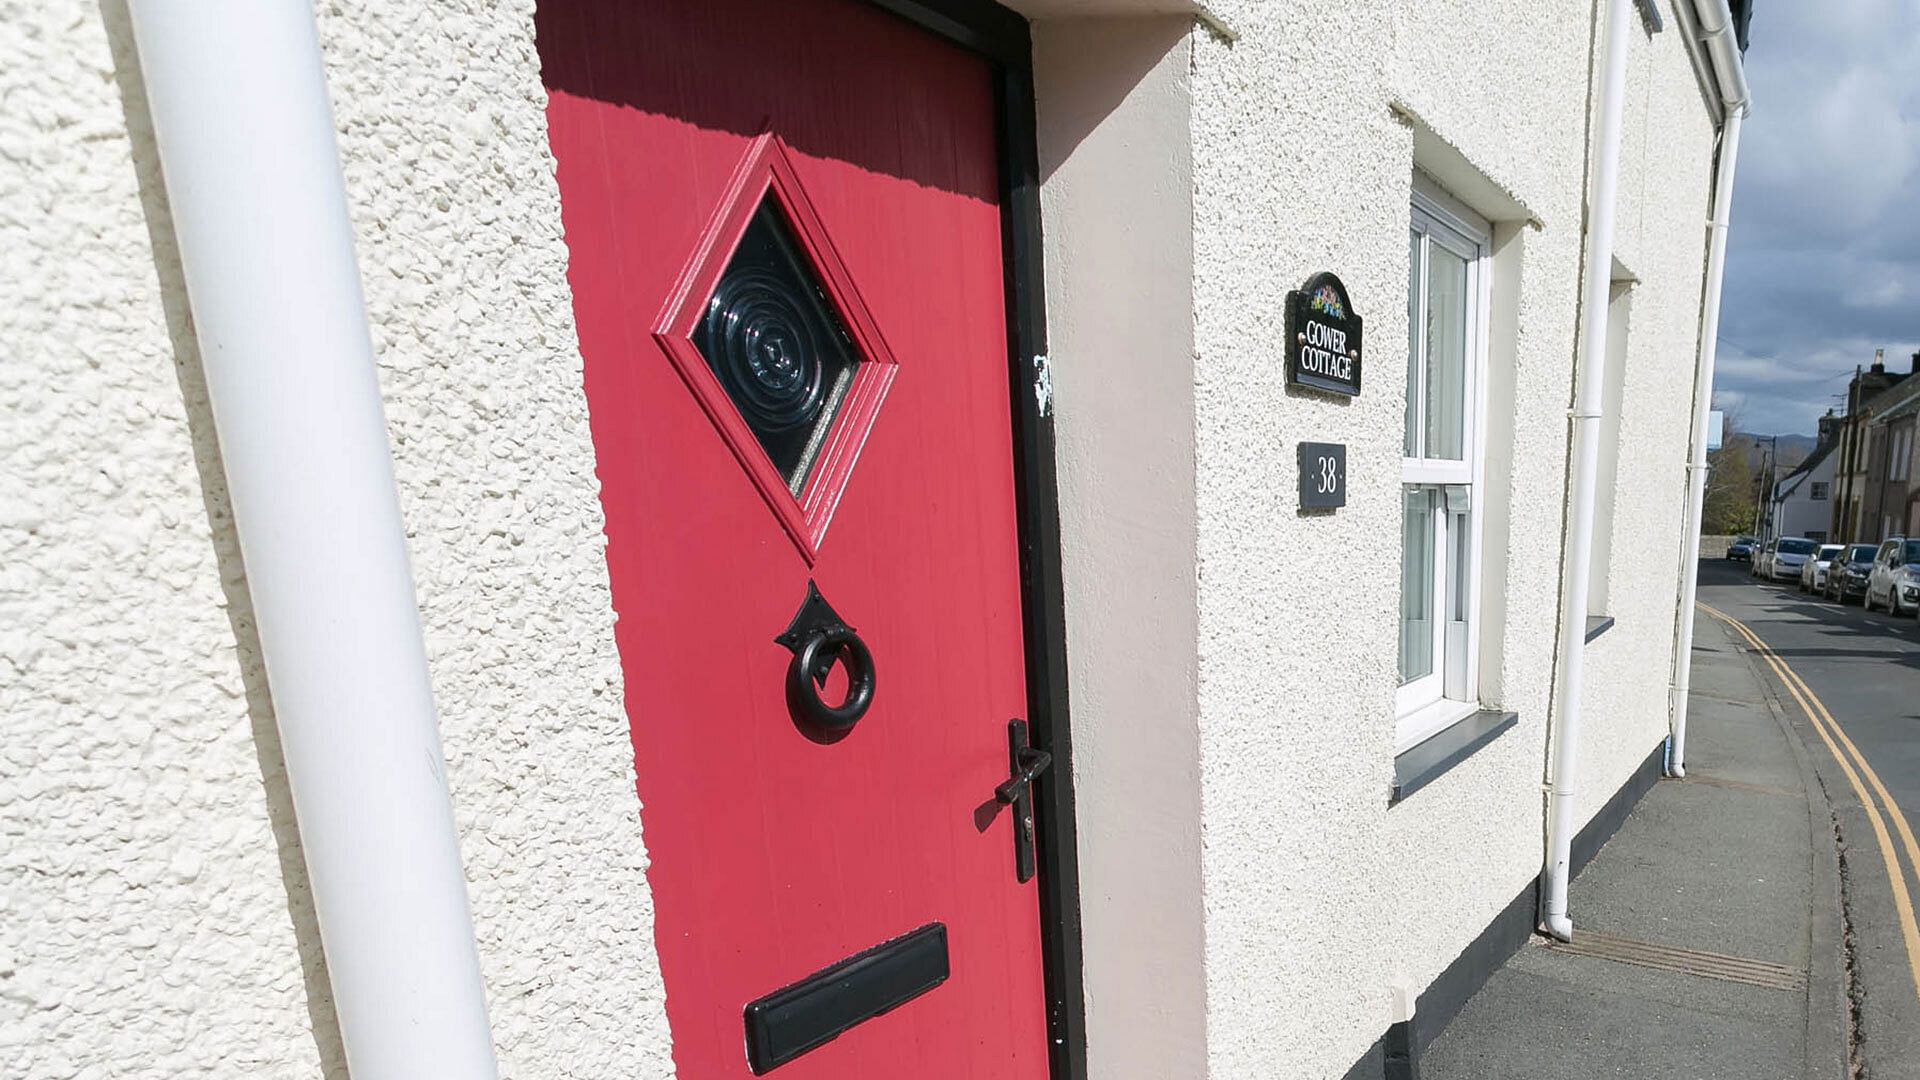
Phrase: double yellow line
(1830, 731)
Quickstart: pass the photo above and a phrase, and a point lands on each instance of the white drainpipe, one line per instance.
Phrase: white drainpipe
(246, 141)
(1716, 30)
(1597, 279)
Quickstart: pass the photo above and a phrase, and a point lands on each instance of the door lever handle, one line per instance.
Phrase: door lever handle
(1026, 764)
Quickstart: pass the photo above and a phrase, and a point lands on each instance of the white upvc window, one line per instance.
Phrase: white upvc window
(1440, 468)
(1899, 452)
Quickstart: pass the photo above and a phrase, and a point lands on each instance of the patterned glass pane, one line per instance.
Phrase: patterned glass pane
(776, 346)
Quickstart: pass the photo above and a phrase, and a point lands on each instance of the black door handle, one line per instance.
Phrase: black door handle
(1025, 764)
(1028, 764)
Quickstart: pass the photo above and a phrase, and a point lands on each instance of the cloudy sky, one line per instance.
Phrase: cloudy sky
(1823, 262)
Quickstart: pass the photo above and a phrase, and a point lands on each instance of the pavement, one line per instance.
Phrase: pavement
(1860, 671)
(1711, 939)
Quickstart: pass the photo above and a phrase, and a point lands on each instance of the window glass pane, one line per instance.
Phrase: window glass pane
(1412, 446)
(1416, 585)
(1446, 367)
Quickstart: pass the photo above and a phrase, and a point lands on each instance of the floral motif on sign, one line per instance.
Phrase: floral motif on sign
(1326, 301)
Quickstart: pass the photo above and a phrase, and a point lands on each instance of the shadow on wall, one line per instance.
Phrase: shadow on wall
(226, 543)
(1128, 50)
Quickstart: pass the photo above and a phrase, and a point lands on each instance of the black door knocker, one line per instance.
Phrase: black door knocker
(819, 638)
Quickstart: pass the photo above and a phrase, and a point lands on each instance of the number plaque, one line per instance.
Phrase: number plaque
(1323, 475)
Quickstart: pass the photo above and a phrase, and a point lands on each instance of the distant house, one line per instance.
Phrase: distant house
(1803, 499)
(1855, 513)
(1889, 493)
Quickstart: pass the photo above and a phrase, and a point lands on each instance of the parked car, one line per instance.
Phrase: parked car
(1741, 550)
(1895, 578)
(1813, 575)
(1786, 556)
(1847, 579)
(1762, 555)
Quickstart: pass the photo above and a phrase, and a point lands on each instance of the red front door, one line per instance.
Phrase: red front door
(785, 236)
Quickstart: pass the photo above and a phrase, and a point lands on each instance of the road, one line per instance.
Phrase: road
(1864, 671)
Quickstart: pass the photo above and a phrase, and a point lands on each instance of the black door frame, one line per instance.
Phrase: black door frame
(1004, 38)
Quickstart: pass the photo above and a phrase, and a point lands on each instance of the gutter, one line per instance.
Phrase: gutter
(245, 134)
(1716, 31)
(1596, 277)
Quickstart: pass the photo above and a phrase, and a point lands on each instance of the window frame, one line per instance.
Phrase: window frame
(1429, 704)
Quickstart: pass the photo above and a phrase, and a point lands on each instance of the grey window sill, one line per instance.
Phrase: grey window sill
(1597, 625)
(1429, 760)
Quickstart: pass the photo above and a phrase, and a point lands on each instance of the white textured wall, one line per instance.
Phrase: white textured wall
(1666, 177)
(156, 909)
(1506, 90)
(151, 905)
(457, 218)
(1298, 166)
(1318, 895)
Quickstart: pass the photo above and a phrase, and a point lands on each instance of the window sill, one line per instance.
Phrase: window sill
(1597, 625)
(1415, 726)
(1426, 762)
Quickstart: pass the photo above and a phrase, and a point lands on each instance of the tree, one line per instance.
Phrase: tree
(1731, 497)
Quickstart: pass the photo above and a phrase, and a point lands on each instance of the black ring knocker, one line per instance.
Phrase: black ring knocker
(819, 638)
(807, 676)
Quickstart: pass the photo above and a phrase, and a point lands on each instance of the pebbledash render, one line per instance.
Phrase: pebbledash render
(1308, 747)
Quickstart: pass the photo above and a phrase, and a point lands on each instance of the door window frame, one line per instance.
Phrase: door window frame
(1004, 38)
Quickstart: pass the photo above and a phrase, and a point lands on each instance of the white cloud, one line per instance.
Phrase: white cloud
(1824, 257)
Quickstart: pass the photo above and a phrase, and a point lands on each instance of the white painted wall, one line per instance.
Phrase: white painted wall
(1248, 894)
(1608, 488)
(1666, 176)
(156, 917)
(1800, 513)
(162, 926)
(1116, 167)
(443, 132)
(1318, 896)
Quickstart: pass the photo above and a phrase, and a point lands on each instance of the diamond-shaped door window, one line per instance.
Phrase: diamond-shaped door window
(777, 348)
(768, 331)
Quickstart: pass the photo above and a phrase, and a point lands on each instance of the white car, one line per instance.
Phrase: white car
(1895, 579)
(1786, 558)
(1813, 576)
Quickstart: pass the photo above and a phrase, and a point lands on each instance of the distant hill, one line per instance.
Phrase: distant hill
(1801, 443)
(1793, 448)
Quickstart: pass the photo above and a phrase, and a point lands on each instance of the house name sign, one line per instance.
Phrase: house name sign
(1323, 337)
